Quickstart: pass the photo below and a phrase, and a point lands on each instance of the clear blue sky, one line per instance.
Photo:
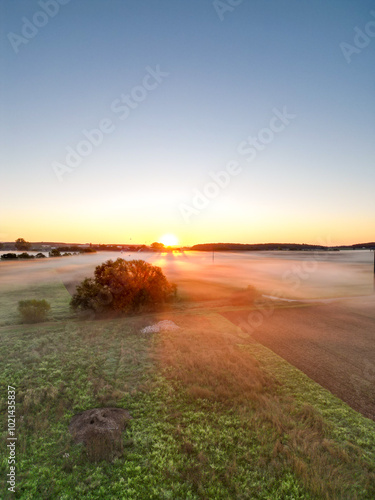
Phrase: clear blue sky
(314, 179)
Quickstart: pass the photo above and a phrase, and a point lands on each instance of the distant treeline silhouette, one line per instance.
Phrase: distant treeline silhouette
(222, 247)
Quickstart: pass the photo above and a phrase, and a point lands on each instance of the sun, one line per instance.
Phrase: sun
(169, 240)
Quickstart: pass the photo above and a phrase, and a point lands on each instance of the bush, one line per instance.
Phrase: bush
(33, 311)
(9, 256)
(55, 253)
(126, 286)
(25, 255)
(40, 255)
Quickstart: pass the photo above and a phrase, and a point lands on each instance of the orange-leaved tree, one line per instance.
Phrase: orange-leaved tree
(128, 286)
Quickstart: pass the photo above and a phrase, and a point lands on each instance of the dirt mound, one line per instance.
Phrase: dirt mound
(100, 429)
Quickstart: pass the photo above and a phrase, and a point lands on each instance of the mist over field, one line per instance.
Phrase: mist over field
(203, 275)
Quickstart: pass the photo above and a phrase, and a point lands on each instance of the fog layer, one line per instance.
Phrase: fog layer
(203, 275)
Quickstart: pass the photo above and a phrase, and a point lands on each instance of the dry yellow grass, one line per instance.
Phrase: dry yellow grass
(206, 360)
(211, 366)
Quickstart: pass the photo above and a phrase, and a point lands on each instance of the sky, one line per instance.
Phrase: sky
(216, 121)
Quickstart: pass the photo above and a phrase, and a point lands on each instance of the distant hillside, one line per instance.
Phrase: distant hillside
(222, 247)
(360, 246)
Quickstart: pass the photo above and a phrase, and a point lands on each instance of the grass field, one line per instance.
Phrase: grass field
(215, 414)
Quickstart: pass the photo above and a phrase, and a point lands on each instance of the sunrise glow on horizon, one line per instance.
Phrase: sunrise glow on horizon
(151, 121)
(169, 240)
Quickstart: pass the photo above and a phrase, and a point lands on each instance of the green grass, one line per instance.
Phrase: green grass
(345, 424)
(178, 445)
(63, 370)
(55, 293)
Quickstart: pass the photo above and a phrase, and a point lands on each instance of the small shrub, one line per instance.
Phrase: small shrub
(55, 253)
(33, 311)
(40, 255)
(9, 256)
(25, 255)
